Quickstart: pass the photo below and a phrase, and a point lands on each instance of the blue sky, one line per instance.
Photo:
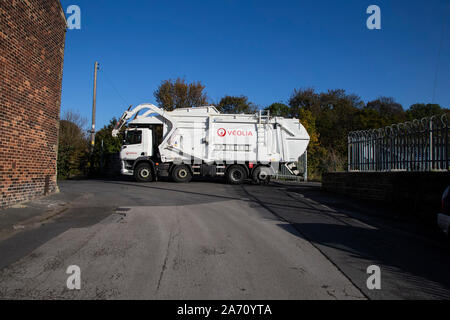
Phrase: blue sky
(261, 49)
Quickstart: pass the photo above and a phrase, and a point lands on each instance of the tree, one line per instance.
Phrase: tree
(315, 151)
(278, 109)
(421, 110)
(368, 119)
(333, 114)
(72, 145)
(110, 144)
(106, 146)
(236, 105)
(172, 94)
(337, 118)
(304, 99)
(389, 110)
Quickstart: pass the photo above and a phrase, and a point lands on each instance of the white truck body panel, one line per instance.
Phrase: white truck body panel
(203, 134)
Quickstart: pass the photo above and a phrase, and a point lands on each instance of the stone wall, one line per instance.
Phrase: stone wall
(411, 192)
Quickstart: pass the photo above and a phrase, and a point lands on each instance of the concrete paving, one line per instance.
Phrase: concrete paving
(207, 240)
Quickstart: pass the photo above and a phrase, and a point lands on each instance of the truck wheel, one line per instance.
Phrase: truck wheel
(143, 173)
(260, 176)
(181, 174)
(236, 175)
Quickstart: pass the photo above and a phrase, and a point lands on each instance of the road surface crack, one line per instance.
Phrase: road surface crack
(172, 236)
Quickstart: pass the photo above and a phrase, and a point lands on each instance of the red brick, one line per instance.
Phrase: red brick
(32, 38)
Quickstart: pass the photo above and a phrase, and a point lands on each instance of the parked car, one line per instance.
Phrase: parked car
(444, 216)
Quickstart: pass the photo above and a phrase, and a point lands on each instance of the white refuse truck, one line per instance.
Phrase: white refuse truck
(203, 142)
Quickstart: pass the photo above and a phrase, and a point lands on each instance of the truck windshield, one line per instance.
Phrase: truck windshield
(133, 137)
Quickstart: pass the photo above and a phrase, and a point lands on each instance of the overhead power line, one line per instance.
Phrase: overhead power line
(111, 83)
(441, 44)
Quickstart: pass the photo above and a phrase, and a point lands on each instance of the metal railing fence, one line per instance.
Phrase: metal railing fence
(419, 145)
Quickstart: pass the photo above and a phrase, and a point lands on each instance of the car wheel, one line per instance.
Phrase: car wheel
(236, 175)
(181, 174)
(260, 176)
(143, 173)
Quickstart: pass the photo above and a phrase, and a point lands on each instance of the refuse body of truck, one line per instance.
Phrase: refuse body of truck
(203, 142)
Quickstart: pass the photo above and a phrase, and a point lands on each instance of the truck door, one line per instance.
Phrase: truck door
(133, 144)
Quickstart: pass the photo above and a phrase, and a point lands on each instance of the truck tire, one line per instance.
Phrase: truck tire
(259, 176)
(181, 174)
(236, 174)
(143, 172)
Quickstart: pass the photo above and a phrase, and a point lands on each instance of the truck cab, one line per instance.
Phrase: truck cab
(139, 144)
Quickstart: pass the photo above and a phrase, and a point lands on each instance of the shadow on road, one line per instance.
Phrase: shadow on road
(242, 194)
(401, 258)
(374, 211)
(23, 243)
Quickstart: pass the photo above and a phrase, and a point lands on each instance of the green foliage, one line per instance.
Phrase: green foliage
(388, 110)
(236, 105)
(304, 99)
(368, 119)
(333, 114)
(336, 118)
(316, 152)
(105, 147)
(72, 146)
(278, 109)
(329, 117)
(421, 110)
(76, 158)
(172, 94)
(110, 144)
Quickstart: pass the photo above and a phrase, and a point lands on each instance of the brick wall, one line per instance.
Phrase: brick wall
(32, 37)
(411, 192)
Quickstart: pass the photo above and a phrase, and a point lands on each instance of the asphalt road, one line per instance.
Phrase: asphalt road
(209, 240)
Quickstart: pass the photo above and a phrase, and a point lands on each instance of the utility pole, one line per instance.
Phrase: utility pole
(93, 106)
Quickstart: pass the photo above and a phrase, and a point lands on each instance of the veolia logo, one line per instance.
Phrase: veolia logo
(235, 132)
(222, 132)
